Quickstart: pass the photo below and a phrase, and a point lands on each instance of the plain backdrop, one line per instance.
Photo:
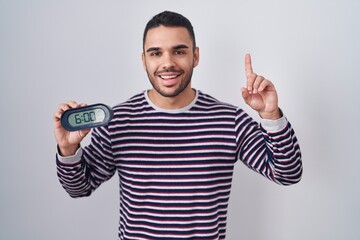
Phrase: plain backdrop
(90, 51)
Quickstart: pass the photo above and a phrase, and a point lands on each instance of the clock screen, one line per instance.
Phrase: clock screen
(86, 117)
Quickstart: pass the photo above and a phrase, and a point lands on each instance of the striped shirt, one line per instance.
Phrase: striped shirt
(175, 166)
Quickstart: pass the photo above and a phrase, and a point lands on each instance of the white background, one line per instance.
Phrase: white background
(90, 51)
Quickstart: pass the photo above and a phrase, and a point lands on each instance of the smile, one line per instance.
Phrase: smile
(169, 76)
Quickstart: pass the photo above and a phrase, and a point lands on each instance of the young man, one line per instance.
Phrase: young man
(174, 147)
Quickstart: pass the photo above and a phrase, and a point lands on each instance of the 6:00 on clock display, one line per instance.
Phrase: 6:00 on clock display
(85, 117)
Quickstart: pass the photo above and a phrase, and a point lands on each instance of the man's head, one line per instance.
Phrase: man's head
(170, 19)
(169, 55)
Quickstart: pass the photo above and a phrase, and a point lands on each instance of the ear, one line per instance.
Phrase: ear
(196, 57)
(143, 60)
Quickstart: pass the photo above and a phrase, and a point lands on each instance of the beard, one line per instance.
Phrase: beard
(183, 84)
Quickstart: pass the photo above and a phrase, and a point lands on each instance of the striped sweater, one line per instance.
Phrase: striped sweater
(175, 167)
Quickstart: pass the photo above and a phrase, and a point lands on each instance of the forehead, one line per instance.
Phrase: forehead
(167, 37)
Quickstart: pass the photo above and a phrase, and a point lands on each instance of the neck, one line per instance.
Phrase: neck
(180, 101)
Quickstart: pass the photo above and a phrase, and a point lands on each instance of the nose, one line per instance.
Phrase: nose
(168, 61)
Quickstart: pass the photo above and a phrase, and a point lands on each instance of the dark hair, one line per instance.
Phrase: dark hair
(170, 19)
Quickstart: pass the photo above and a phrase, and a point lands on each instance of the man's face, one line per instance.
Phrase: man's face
(169, 58)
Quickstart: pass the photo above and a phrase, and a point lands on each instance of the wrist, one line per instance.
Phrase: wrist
(274, 115)
(68, 150)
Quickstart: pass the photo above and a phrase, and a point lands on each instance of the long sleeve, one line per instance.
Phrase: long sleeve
(270, 148)
(82, 173)
(176, 167)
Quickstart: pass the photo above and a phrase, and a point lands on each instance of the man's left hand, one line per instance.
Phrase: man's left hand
(260, 93)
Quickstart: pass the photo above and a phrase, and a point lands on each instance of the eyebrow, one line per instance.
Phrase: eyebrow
(180, 46)
(177, 47)
(152, 49)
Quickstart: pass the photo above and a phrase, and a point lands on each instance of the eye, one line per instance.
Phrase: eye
(179, 52)
(155, 54)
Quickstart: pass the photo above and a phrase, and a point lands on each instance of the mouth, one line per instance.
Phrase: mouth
(169, 78)
(166, 77)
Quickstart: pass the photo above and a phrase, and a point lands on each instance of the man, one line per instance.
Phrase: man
(174, 147)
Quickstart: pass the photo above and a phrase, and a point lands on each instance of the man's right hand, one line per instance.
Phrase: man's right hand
(68, 142)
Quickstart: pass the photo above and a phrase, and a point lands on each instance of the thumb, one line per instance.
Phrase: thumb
(246, 95)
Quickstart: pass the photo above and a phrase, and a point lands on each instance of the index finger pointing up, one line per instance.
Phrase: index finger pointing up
(248, 65)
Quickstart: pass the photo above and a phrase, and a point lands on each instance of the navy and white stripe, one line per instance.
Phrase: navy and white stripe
(175, 167)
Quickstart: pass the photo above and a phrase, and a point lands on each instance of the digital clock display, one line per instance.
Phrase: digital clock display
(86, 117)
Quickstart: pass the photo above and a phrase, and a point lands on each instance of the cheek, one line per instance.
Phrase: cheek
(189, 65)
(150, 66)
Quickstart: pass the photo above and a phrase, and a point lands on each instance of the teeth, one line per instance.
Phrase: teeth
(168, 77)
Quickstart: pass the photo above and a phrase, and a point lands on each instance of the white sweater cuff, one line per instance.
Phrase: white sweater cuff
(274, 125)
(71, 159)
